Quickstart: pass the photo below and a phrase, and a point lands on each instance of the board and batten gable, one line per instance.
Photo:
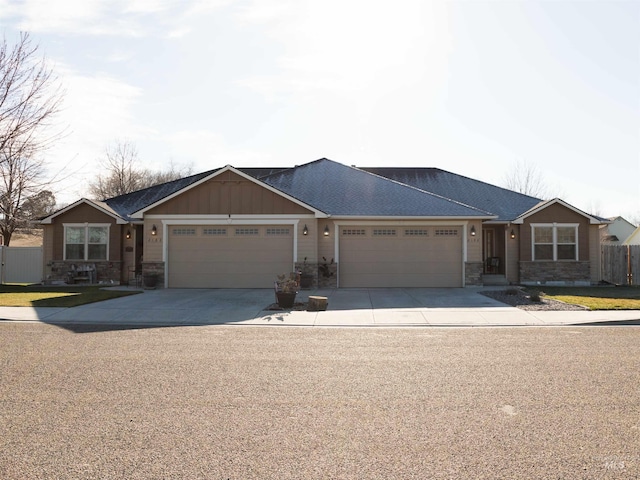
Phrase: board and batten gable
(558, 214)
(82, 214)
(228, 193)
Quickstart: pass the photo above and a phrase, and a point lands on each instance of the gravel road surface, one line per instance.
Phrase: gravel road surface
(301, 403)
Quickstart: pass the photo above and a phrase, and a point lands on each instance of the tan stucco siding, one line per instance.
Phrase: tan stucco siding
(474, 243)
(308, 244)
(81, 214)
(228, 193)
(556, 214)
(326, 244)
(513, 254)
(153, 243)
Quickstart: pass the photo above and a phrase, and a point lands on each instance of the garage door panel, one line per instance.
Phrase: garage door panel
(229, 260)
(429, 259)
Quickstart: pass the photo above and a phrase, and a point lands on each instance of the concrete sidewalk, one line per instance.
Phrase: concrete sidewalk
(347, 308)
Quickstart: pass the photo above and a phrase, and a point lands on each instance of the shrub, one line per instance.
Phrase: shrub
(512, 291)
(536, 296)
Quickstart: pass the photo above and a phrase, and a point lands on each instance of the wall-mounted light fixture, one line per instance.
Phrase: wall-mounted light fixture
(473, 230)
(326, 231)
(305, 230)
(154, 230)
(513, 234)
(128, 235)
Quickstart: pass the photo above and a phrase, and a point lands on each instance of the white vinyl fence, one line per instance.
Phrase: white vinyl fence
(21, 264)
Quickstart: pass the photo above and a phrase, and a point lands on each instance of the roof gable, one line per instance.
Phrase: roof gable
(593, 220)
(213, 174)
(100, 206)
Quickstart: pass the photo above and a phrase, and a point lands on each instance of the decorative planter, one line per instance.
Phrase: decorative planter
(150, 280)
(285, 300)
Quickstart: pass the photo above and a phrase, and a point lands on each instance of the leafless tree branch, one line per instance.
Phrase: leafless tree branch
(30, 99)
(124, 175)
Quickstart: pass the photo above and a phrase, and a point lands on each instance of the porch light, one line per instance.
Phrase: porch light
(473, 230)
(305, 230)
(326, 231)
(154, 230)
(128, 235)
(513, 234)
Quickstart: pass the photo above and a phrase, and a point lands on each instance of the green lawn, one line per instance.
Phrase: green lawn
(595, 298)
(50, 296)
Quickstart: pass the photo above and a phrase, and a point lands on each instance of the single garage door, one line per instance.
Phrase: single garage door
(400, 256)
(243, 256)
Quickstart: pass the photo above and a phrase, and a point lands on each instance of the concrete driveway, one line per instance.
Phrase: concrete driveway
(347, 307)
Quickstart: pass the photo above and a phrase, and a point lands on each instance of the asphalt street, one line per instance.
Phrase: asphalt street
(220, 402)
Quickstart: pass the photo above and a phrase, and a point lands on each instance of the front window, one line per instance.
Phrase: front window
(555, 242)
(86, 242)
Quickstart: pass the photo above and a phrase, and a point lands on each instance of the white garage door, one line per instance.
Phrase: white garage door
(400, 256)
(243, 256)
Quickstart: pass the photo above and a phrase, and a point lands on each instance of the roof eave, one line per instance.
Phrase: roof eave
(411, 217)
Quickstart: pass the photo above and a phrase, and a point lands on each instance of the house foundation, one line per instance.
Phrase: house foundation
(75, 272)
(555, 273)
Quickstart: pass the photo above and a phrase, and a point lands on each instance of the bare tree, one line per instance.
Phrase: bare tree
(524, 177)
(30, 98)
(124, 175)
(120, 160)
(20, 178)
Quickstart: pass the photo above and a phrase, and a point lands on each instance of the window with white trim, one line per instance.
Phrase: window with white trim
(86, 242)
(554, 242)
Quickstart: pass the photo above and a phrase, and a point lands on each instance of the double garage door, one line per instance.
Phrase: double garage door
(250, 256)
(400, 256)
(228, 256)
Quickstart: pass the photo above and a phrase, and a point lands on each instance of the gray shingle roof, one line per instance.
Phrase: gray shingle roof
(340, 190)
(504, 203)
(337, 189)
(126, 204)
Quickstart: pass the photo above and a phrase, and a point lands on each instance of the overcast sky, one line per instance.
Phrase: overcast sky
(467, 86)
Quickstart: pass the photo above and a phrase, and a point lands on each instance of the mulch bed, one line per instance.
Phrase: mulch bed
(519, 298)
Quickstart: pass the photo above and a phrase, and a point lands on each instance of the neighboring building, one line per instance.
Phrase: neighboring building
(634, 238)
(345, 226)
(616, 232)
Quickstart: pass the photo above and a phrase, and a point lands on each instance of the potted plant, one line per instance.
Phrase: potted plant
(286, 289)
